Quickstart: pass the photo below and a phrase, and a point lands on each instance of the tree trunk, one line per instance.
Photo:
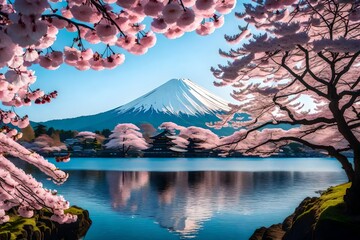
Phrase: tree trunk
(346, 165)
(352, 196)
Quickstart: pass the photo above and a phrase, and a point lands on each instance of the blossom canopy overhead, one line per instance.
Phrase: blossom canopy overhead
(304, 51)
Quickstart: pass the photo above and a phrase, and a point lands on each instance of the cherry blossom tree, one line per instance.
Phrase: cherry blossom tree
(45, 143)
(28, 31)
(90, 140)
(126, 137)
(191, 138)
(86, 135)
(297, 52)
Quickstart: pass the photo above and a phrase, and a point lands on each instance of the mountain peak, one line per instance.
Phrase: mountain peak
(177, 96)
(176, 82)
(178, 100)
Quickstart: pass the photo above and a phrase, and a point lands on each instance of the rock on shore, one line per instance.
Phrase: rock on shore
(40, 227)
(320, 218)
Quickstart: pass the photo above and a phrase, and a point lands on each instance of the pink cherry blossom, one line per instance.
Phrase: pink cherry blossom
(225, 7)
(206, 29)
(105, 30)
(204, 5)
(66, 13)
(138, 49)
(172, 12)
(82, 65)
(92, 37)
(85, 13)
(189, 3)
(31, 55)
(59, 23)
(72, 55)
(26, 34)
(126, 42)
(31, 7)
(87, 54)
(149, 40)
(126, 3)
(158, 25)
(187, 18)
(219, 22)
(153, 8)
(113, 61)
(97, 63)
(51, 61)
(122, 20)
(6, 49)
(174, 32)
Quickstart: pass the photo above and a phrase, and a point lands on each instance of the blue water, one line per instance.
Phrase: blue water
(191, 198)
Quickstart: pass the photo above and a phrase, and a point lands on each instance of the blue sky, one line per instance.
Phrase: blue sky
(90, 92)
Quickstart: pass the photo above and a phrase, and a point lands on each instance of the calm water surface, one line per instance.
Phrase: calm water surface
(191, 198)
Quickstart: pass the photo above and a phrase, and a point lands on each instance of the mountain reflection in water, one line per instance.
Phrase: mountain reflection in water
(187, 203)
(178, 201)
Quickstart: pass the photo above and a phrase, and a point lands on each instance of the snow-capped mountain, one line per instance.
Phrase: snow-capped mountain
(177, 96)
(178, 100)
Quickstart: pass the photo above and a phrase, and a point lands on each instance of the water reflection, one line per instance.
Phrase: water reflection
(123, 184)
(178, 201)
(187, 203)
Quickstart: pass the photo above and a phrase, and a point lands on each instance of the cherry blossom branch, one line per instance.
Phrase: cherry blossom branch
(346, 68)
(76, 24)
(308, 66)
(102, 9)
(346, 165)
(300, 78)
(350, 102)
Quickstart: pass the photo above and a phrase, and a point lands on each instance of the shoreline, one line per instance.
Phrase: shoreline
(320, 218)
(40, 227)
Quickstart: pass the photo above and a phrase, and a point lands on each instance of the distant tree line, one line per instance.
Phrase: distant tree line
(128, 140)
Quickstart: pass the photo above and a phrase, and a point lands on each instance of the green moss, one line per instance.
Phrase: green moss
(16, 226)
(333, 198)
(74, 210)
(38, 226)
(328, 205)
(333, 207)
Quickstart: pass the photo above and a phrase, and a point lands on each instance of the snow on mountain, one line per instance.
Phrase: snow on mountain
(177, 96)
(179, 100)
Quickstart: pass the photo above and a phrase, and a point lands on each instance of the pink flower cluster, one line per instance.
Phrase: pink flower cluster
(21, 190)
(28, 30)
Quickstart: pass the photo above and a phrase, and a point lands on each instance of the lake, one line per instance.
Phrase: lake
(212, 198)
